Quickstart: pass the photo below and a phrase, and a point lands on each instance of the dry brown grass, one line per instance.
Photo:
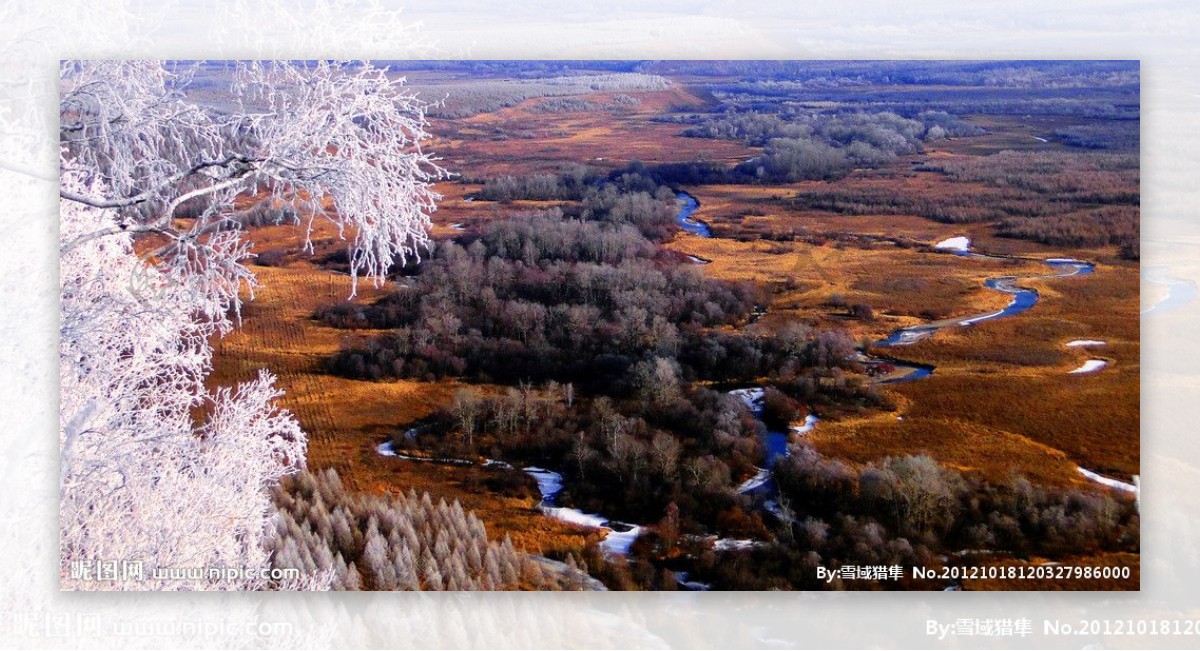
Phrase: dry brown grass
(1001, 400)
(1012, 375)
(735, 210)
(346, 419)
(522, 139)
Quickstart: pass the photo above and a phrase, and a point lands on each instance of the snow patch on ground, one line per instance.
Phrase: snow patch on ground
(732, 544)
(1085, 342)
(619, 542)
(550, 483)
(1091, 366)
(1107, 481)
(959, 243)
(751, 397)
(761, 477)
(810, 421)
(575, 516)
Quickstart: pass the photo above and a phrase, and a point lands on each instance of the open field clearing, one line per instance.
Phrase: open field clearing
(1008, 376)
(523, 139)
(346, 419)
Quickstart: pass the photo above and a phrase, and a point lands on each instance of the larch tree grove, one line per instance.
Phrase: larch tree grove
(152, 267)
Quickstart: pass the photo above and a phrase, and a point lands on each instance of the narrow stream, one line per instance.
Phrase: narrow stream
(776, 443)
(688, 205)
(1023, 298)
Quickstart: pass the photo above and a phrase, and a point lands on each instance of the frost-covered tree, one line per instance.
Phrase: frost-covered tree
(155, 466)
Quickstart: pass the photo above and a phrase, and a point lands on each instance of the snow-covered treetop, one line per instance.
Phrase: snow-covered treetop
(143, 477)
(343, 141)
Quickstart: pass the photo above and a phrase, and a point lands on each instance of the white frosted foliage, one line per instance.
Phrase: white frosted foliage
(155, 466)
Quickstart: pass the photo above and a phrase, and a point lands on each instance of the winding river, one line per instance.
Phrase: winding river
(1023, 298)
(687, 206)
(762, 486)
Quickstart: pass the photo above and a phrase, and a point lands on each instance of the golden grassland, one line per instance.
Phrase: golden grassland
(1001, 400)
(346, 419)
(1013, 375)
(521, 139)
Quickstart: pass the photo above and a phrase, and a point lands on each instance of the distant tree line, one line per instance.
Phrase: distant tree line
(791, 75)
(1117, 135)
(882, 130)
(566, 104)
(1057, 198)
(467, 98)
(1117, 101)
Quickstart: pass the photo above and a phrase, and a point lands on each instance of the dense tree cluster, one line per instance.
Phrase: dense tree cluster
(913, 511)
(882, 130)
(594, 304)
(667, 442)
(788, 160)
(940, 124)
(528, 315)
(565, 104)
(539, 298)
(633, 195)
(815, 146)
(546, 235)
(395, 542)
(634, 200)
(569, 184)
(824, 146)
(1119, 135)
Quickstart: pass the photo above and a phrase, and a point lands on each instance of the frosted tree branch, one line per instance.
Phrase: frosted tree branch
(141, 477)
